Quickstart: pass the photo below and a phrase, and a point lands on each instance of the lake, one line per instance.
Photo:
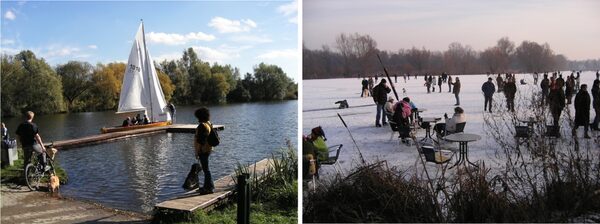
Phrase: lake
(136, 173)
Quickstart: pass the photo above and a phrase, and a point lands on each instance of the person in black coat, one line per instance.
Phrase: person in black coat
(380, 97)
(488, 89)
(365, 87)
(582, 110)
(440, 83)
(596, 104)
(510, 89)
(545, 85)
(556, 101)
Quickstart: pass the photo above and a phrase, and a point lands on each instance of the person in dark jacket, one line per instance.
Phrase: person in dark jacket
(456, 90)
(596, 104)
(380, 97)
(440, 83)
(560, 81)
(500, 83)
(510, 89)
(365, 88)
(545, 85)
(202, 148)
(570, 88)
(582, 110)
(31, 141)
(488, 89)
(556, 102)
(449, 83)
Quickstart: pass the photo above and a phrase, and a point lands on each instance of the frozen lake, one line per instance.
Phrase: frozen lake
(376, 144)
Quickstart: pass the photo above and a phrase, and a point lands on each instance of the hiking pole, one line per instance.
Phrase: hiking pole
(389, 79)
(356, 145)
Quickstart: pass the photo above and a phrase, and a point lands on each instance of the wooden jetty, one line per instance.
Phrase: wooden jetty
(224, 189)
(108, 137)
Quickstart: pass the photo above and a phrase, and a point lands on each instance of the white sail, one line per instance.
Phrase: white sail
(141, 90)
(132, 94)
(157, 103)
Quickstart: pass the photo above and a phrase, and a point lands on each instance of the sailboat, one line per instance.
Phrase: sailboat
(141, 91)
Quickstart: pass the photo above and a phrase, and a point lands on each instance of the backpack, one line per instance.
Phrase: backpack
(213, 137)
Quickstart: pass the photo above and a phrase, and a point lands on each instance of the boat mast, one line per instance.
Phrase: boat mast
(147, 70)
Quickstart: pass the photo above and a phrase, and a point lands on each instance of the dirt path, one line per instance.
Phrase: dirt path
(19, 205)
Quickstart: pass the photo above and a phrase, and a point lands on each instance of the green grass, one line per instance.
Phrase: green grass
(274, 197)
(14, 174)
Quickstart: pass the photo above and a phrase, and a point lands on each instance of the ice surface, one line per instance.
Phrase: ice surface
(375, 143)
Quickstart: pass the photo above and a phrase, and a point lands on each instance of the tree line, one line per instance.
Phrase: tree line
(30, 83)
(355, 55)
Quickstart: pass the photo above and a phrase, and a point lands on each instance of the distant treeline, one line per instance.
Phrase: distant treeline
(29, 83)
(355, 55)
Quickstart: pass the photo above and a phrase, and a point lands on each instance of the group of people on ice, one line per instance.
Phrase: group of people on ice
(556, 93)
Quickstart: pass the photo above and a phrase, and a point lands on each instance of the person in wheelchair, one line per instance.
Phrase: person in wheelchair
(401, 116)
(443, 129)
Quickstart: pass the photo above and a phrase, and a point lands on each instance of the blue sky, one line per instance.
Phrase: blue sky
(240, 33)
(570, 27)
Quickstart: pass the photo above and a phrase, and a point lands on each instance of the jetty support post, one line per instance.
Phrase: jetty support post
(243, 199)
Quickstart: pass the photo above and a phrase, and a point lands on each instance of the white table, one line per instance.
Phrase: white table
(463, 139)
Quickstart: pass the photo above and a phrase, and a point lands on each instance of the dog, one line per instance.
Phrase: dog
(54, 184)
(343, 104)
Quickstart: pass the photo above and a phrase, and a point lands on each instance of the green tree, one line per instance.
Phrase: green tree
(76, 80)
(165, 84)
(31, 85)
(271, 81)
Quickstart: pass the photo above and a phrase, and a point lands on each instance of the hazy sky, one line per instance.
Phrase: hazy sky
(570, 27)
(242, 34)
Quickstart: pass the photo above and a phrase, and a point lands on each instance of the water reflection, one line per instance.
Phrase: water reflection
(136, 173)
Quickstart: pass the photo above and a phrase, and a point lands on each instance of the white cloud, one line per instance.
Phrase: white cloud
(168, 57)
(9, 51)
(289, 10)
(92, 46)
(251, 39)
(10, 15)
(177, 39)
(211, 55)
(60, 51)
(7, 42)
(275, 54)
(232, 26)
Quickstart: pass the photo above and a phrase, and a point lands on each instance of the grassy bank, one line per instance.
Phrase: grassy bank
(14, 174)
(273, 198)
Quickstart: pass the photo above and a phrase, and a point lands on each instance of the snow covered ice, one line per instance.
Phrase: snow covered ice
(376, 144)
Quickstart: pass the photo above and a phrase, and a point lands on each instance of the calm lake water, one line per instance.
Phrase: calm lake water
(136, 173)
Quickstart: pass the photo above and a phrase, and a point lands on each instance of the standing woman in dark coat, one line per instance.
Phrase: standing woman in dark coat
(582, 110)
(596, 104)
(556, 101)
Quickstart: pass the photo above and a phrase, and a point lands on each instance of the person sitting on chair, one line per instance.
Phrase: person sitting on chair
(450, 126)
(401, 117)
(389, 105)
(317, 137)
